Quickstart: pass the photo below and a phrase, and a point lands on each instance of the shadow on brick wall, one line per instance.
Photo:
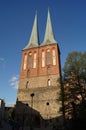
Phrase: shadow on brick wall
(28, 117)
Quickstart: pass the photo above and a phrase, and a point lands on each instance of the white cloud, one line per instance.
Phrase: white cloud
(14, 78)
(10, 104)
(14, 81)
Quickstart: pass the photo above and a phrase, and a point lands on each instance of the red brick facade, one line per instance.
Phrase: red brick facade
(39, 70)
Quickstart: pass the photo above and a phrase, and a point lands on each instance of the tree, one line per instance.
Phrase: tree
(74, 82)
(11, 113)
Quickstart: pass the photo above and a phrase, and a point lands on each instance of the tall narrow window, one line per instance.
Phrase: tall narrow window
(48, 70)
(27, 84)
(48, 82)
(30, 60)
(48, 57)
(43, 59)
(25, 62)
(34, 61)
(28, 73)
(54, 57)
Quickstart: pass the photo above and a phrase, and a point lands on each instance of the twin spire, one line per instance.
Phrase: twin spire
(49, 35)
(34, 38)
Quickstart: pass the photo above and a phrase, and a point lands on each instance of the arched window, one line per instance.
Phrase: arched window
(48, 82)
(27, 84)
(48, 57)
(25, 62)
(43, 59)
(54, 56)
(30, 60)
(34, 60)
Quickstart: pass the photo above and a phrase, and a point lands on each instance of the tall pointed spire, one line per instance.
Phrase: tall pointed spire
(49, 35)
(34, 38)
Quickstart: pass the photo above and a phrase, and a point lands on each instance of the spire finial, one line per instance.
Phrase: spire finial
(36, 13)
(49, 36)
(48, 8)
(34, 38)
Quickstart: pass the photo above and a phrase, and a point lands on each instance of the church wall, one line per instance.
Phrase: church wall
(42, 96)
(40, 75)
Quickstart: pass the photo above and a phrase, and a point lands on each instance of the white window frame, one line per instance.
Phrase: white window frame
(25, 62)
(43, 59)
(34, 61)
(54, 56)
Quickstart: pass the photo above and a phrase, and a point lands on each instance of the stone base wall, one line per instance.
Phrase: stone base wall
(45, 99)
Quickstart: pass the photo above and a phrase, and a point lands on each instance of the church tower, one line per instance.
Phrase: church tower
(40, 73)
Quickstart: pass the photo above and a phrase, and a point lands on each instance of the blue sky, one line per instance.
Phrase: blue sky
(16, 20)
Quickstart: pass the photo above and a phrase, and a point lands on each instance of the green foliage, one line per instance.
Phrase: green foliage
(11, 113)
(76, 63)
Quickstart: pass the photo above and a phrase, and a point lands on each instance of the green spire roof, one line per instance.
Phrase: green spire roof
(49, 35)
(34, 38)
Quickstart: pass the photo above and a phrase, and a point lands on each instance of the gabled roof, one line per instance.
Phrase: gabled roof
(34, 38)
(49, 35)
